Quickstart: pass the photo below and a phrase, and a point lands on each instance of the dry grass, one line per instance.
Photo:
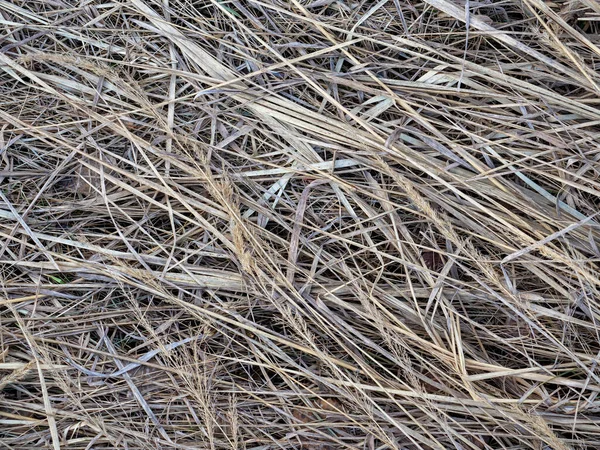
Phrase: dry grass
(264, 224)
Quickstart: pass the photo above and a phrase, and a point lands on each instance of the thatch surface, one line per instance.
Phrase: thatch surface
(265, 224)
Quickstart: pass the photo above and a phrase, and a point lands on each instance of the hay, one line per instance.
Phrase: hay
(262, 224)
